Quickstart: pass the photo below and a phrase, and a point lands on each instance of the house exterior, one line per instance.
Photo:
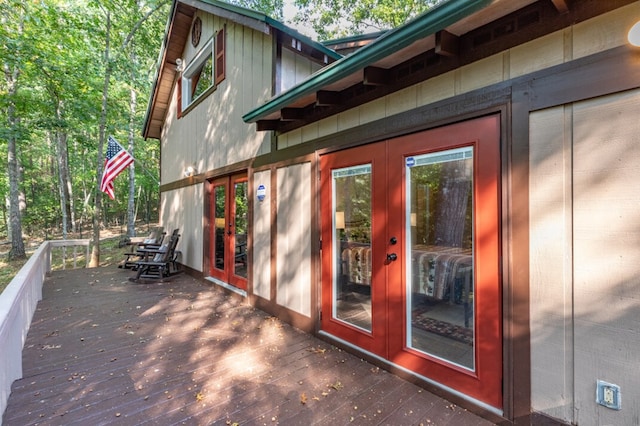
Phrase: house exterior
(454, 201)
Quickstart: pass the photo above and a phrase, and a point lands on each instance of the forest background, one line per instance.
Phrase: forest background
(75, 72)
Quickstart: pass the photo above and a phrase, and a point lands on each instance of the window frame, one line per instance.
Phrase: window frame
(192, 71)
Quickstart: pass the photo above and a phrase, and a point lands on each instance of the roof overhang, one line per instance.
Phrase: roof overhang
(388, 47)
(439, 40)
(177, 35)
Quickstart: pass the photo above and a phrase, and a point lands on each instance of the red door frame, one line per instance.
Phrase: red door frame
(388, 337)
(376, 156)
(227, 274)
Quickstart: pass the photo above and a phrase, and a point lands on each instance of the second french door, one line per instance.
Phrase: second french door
(410, 265)
(229, 230)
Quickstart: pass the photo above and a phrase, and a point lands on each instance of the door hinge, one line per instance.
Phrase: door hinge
(320, 315)
(320, 246)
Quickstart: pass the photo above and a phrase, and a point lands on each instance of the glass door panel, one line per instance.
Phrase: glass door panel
(220, 225)
(229, 231)
(439, 218)
(352, 191)
(410, 253)
(240, 229)
(351, 188)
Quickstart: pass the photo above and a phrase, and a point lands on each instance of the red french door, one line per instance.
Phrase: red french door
(410, 244)
(229, 230)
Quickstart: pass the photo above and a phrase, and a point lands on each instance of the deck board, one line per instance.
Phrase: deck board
(102, 350)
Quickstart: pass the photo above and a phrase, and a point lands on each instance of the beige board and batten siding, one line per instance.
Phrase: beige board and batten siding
(293, 258)
(212, 134)
(183, 209)
(261, 248)
(592, 36)
(550, 260)
(294, 69)
(585, 257)
(607, 254)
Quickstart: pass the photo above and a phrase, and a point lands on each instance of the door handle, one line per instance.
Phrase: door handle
(391, 257)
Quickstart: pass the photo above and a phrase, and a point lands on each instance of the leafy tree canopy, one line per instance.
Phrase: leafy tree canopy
(272, 8)
(340, 18)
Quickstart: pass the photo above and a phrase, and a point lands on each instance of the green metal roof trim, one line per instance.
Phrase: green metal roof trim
(353, 38)
(422, 26)
(259, 16)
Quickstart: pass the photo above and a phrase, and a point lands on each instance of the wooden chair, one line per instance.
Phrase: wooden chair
(159, 264)
(154, 240)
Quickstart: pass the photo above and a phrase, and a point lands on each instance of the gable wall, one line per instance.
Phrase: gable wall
(295, 69)
(212, 134)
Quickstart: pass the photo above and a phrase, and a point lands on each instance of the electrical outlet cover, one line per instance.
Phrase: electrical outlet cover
(608, 395)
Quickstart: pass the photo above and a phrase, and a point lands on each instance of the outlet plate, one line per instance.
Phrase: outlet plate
(608, 395)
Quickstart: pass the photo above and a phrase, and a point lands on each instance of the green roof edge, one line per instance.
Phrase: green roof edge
(353, 38)
(263, 17)
(422, 26)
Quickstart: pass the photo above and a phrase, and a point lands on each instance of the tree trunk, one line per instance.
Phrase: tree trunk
(454, 198)
(17, 244)
(63, 172)
(15, 221)
(131, 206)
(95, 252)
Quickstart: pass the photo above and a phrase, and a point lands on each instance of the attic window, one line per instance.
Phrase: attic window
(197, 78)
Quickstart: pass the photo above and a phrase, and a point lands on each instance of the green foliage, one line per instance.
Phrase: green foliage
(272, 8)
(60, 59)
(340, 18)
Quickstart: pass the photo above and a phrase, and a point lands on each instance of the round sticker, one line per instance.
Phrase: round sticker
(262, 193)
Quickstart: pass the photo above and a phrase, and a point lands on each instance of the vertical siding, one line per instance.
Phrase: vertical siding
(183, 209)
(261, 248)
(551, 263)
(294, 238)
(213, 134)
(607, 254)
(585, 257)
(295, 69)
(605, 31)
(538, 54)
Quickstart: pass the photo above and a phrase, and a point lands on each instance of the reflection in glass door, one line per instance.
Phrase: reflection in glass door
(239, 231)
(410, 253)
(229, 230)
(439, 218)
(351, 188)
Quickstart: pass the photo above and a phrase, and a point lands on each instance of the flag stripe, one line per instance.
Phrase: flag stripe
(117, 159)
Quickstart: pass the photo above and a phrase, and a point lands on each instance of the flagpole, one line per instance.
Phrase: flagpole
(144, 169)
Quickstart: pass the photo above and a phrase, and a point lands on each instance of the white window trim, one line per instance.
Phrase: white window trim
(208, 51)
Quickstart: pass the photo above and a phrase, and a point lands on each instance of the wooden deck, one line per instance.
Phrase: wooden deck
(102, 350)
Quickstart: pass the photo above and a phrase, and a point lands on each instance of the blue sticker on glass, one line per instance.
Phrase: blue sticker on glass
(410, 161)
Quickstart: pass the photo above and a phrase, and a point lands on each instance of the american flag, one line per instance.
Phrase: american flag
(117, 160)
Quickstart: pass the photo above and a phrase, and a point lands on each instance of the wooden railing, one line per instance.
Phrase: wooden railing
(18, 302)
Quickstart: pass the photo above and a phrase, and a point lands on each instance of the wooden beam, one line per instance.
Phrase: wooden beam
(561, 5)
(327, 98)
(447, 44)
(374, 76)
(266, 125)
(291, 114)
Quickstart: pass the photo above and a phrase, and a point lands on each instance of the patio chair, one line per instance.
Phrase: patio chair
(154, 240)
(160, 263)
